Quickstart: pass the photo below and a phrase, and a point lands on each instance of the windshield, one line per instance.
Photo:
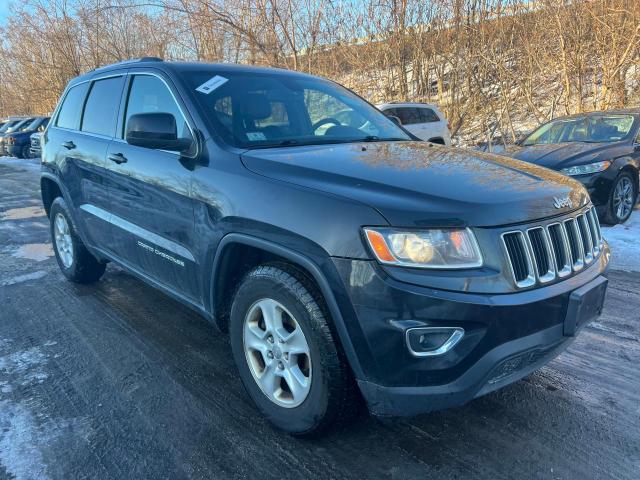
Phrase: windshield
(256, 110)
(31, 125)
(591, 129)
(8, 125)
(20, 125)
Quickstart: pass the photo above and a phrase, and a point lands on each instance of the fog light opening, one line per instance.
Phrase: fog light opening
(432, 341)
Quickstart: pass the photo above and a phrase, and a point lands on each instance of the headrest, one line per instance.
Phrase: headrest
(256, 106)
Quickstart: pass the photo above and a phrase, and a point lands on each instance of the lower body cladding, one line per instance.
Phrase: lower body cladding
(422, 350)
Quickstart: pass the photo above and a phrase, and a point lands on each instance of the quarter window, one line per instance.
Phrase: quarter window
(149, 94)
(69, 116)
(427, 115)
(101, 111)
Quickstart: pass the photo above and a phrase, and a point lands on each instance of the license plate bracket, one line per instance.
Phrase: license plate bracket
(585, 304)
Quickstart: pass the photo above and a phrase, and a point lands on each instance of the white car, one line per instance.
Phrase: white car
(424, 120)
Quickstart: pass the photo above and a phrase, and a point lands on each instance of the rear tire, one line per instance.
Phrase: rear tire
(622, 199)
(25, 152)
(330, 397)
(74, 260)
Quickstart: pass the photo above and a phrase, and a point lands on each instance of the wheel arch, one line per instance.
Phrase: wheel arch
(633, 168)
(50, 189)
(226, 273)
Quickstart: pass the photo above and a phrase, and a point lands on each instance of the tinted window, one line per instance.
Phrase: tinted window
(408, 115)
(69, 116)
(101, 111)
(427, 115)
(149, 94)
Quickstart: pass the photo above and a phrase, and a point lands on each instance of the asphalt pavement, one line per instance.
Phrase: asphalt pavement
(116, 380)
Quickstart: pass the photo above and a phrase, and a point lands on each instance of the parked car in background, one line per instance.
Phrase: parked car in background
(35, 150)
(600, 149)
(424, 120)
(18, 143)
(16, 126)
(10, 123)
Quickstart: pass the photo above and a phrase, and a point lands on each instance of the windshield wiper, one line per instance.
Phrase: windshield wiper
(375, 138)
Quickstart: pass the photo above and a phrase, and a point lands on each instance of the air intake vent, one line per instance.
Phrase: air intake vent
(560, 247)
(519, 258)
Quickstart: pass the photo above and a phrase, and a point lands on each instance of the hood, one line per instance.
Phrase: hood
(562, 155)
(419, 184)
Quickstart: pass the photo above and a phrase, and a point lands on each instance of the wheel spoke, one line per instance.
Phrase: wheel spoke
(254, 342)
(296, 343)
(296, 381)
(268, 379)
(271, 314)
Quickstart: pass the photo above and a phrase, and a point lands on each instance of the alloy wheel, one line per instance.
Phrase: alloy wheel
(623, 198)
(63, 240)
(277, 353)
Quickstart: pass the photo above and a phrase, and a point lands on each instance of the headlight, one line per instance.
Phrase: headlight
(586, 169)
(442, 248)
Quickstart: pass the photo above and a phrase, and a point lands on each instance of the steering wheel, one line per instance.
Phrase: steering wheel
(324, 121)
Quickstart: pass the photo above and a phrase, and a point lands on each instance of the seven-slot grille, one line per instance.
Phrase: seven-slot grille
(541, 254)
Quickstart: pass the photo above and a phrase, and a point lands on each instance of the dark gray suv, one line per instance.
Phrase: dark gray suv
(346, 260)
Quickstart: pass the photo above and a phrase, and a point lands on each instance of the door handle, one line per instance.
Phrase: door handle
(69, 145)
(118, 158)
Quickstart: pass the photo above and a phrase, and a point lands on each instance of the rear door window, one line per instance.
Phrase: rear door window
(408, 115)
(101, 110)
(69, 116)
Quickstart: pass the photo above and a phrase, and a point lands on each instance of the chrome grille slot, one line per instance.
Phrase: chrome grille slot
(541, 249)
(561, 251)
(519, 258)
(543, 253)
(594, 228)
(575, 244)
(585, 235)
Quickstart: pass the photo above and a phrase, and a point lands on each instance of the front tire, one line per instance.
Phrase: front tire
(288, 361)
(622, 199)
(74, 260)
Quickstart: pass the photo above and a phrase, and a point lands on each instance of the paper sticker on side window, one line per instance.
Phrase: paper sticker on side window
(210, 85)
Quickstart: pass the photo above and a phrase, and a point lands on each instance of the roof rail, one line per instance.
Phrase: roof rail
(127, 62)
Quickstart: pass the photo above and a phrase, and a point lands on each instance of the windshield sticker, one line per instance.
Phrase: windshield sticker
(255, 136)
(210, 85)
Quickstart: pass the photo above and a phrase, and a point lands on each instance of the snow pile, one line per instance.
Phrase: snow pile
(624, 241)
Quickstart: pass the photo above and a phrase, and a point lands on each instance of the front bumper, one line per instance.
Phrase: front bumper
(13, 150)
(507, 336)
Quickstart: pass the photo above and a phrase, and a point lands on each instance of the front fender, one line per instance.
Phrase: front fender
(326, 278)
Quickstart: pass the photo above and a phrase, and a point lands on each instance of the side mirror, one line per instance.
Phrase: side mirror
(395, 120)
(155, 130)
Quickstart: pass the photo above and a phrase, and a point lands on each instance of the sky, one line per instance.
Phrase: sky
(4, 11)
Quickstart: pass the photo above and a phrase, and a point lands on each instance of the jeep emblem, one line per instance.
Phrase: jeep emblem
(564, 202)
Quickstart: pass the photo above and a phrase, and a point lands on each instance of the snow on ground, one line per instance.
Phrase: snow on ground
(624, 241)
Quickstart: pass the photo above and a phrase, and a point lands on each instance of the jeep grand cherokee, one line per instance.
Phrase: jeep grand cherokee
(345, 259)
